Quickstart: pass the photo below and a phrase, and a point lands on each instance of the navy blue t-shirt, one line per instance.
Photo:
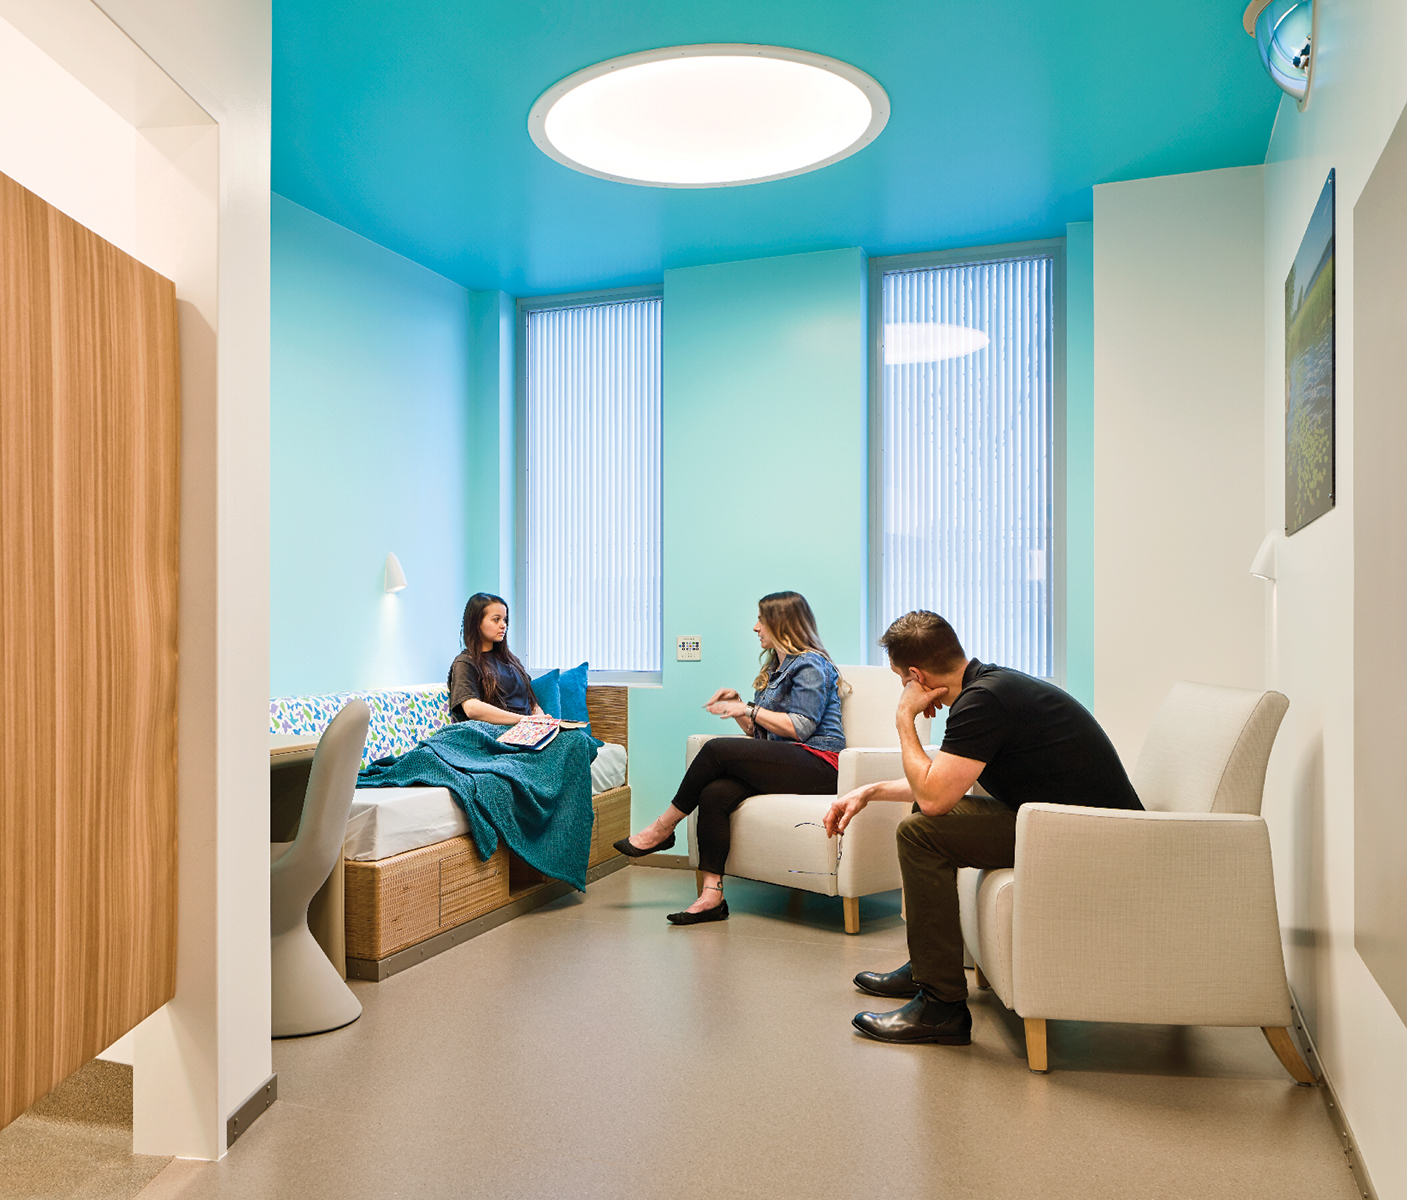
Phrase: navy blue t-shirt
(1040, 744)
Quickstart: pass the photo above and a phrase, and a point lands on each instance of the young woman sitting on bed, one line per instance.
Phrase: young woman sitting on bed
(486, 681)
(793, 743)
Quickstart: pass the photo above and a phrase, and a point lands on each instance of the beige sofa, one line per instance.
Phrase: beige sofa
(779, 838)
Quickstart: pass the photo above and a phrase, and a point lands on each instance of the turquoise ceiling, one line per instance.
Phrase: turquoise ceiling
(406, 121)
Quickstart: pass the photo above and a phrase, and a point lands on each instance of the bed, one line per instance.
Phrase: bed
(415, 884)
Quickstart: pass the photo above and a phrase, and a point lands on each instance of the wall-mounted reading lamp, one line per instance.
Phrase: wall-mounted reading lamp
(395, 577)
(1263, 565)
(1285, 36)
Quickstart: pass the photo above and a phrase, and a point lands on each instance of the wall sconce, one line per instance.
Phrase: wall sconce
(395, 577)
(1285, 37)
(1263, 565)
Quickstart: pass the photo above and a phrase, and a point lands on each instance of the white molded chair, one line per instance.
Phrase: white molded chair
(309, 995)
(1162, 917)
(779, 838)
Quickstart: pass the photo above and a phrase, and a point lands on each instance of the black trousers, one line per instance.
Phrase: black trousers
(730, 769)
(977, 832)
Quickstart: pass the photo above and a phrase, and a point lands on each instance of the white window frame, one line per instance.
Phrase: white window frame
(1054, 249)
(522, 614)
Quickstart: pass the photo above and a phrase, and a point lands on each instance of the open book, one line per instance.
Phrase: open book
(531, 733)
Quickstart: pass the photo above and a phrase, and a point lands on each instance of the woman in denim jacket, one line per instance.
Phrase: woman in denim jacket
(793, 744)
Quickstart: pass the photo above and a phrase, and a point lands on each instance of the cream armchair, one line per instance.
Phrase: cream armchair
(1159, 917)
(780, 839)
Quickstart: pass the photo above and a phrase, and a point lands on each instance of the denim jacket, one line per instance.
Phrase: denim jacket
(807, 688)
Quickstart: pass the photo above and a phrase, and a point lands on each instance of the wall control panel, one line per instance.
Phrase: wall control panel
(688, 649)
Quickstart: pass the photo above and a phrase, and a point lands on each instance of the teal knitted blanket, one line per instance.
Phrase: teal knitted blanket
(538, 801)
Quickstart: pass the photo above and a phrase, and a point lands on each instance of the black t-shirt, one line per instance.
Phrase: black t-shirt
(465, 683)
(1040, 744)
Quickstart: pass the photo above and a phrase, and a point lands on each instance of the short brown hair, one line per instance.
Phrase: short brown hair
(923, 639)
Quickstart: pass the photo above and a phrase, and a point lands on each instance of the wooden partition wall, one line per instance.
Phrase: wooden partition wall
(89, 503)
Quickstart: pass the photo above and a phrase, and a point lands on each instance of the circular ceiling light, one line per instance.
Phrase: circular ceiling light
(708, 116)
(929, 341)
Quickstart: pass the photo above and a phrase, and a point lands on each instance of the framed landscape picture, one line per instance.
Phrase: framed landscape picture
(1309, 370)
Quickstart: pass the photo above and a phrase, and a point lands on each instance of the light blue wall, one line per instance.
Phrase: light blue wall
(764, 480)
(372, 433)
(1079, 461)
(490, 474)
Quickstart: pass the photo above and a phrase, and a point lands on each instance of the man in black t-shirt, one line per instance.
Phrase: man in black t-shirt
(1024, 740)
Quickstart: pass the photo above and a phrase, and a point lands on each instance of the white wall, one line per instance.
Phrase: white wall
(1359, 93)
(1178, 491)
(219, 52)
(96, 182)
(177, 174)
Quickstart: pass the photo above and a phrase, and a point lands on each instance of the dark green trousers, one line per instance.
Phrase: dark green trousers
(976, 832)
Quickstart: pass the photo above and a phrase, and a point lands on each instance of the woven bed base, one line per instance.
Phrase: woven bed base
(611, 823)
(396, 902)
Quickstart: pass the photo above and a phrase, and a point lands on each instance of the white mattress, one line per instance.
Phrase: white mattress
(387, 821)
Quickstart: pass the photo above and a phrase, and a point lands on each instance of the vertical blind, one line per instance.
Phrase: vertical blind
(593, 548)
(966, 481)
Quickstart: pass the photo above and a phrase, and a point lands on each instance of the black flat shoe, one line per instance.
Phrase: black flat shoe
(719, 912)
(899, 984)
(920, 1020)
(630, 851)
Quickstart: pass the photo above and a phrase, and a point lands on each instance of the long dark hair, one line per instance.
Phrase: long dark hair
(473, 643)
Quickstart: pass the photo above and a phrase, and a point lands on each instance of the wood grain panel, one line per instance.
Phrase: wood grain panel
(89, 508)
(27, 735)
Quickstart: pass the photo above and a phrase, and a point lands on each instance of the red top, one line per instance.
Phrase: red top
(831, 756)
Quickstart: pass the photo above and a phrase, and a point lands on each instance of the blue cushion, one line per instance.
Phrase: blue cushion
(572, 688)
(549, 693)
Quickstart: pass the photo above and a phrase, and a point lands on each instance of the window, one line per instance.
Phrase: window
(590, 518)
(966, 387)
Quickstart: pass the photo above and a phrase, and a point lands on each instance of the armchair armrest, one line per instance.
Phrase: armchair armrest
(860, 765)
(695, 744)
(1152, 917)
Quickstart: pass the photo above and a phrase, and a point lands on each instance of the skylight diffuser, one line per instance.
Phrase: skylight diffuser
(708, 116)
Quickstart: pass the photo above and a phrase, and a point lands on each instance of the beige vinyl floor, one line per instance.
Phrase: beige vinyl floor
(590, 1049)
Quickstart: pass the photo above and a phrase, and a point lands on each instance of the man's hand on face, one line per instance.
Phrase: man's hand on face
(916, 699)
(842, 810)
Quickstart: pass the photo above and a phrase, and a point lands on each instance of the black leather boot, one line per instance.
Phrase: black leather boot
(899, 984)
(920, 1020)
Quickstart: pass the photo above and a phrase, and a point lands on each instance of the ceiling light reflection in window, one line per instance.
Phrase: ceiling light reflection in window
(929, 341)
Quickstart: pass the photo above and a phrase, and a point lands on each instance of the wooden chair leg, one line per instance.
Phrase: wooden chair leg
(982, 980)
(852, 913)
(1035, 1044)
(698, 882)
(1288, 1054)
